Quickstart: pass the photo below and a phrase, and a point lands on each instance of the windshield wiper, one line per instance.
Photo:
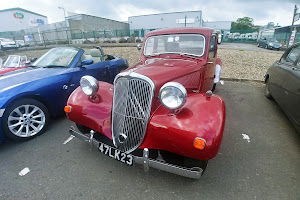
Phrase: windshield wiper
(53, 66)
(190, 55)
(33, 66)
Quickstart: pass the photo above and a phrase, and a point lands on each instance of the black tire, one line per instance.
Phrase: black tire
(267, 90)
(258, 44)
(214, 87)
(83, 129)
(24, 119)
(190, 163)
(266, 47)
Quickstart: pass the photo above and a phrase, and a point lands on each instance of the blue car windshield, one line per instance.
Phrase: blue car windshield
(57, 57)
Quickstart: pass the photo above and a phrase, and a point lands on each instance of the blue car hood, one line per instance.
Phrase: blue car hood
(27, 75)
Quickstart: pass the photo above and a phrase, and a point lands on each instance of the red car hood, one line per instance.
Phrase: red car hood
(185, 71)
(4, 70)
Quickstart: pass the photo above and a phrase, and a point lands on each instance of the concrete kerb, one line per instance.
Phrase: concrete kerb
(241, 80)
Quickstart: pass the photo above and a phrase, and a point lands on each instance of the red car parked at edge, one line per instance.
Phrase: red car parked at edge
(12, 63)
(160, 113)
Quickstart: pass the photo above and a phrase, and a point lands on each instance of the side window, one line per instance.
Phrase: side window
(212, 47)
(293, 55)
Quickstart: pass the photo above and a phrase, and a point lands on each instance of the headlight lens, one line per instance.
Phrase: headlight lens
(172, 95)
(89, 85)
(271, 44)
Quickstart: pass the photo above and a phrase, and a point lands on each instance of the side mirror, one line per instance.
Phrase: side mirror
(87, 62)
(139, 47)
(33, 60)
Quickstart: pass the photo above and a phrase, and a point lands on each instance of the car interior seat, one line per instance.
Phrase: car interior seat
(87, 55)
(96, 55)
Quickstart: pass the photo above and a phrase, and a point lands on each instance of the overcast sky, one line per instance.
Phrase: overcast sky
(262, 11)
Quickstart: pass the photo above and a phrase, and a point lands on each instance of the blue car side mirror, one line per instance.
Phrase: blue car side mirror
(87, 62)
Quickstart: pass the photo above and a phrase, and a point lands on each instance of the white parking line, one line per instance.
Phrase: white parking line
(246, 137)
(24, 171)
(69, 139)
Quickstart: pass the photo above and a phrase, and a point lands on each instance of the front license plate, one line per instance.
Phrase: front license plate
(116, 154)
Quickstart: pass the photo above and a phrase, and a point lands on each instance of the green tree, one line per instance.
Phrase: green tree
(245, 23)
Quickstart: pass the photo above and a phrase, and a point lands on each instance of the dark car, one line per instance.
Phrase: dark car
(283, 83)
(269, 43)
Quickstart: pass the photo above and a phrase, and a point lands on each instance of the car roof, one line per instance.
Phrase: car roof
(204, 31)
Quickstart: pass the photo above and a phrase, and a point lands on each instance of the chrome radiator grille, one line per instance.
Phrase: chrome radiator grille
(132, 101)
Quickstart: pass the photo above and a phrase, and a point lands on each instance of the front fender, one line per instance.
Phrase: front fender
(200, 117)
(94, 113)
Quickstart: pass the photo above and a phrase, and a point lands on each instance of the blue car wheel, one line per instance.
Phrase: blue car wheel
(25, 119)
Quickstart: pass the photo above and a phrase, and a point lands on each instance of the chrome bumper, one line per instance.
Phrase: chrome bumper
(147, 162)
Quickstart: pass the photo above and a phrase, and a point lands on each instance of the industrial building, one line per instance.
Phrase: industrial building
(142, 24)
(218, 25)
(15, 19)
(92, 23)
(166, 20)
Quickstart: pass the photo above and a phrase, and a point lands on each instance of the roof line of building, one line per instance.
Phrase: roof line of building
(9, 9)
(217, 21)
(167, 13)
(74, 16)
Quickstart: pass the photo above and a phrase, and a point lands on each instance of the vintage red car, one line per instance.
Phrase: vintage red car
(160, 113)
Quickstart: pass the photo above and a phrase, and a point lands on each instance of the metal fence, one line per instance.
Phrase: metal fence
(62, 35)
(77, 36)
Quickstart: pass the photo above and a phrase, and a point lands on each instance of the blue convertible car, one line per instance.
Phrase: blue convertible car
(30, 96)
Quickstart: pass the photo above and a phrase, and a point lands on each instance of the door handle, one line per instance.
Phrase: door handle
(210, 62)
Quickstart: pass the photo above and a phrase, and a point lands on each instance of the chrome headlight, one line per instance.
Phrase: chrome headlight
(89, 85)
(271, 44)
(172, 95)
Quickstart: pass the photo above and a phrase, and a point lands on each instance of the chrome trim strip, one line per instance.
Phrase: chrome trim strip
(194, 173)
(2, 112)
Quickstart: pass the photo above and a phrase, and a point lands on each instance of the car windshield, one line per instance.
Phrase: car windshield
(57, 57)
(5, 40)
(272, 40)
(191, 44)
(12, 61)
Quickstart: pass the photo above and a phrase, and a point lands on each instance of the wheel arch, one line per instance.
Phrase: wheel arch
(267, 76)
(32, 96)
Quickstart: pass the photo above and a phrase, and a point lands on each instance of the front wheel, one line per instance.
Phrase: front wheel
(190, 163)
(267, 90)
(25, 119)
(258, 45)
(214, 87)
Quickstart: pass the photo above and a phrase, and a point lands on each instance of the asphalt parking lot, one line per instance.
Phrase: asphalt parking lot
(266, 166)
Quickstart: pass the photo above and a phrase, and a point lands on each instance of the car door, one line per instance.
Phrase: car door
(291, 86)
(288, 84)
(99, 70)
(211, 64)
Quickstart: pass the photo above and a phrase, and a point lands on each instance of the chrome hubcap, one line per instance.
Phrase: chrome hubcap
(26, 120)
